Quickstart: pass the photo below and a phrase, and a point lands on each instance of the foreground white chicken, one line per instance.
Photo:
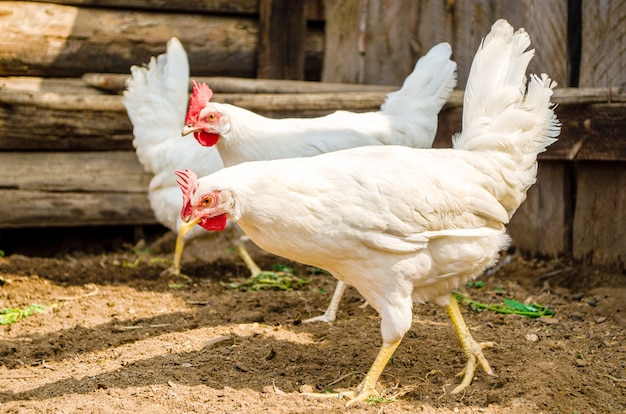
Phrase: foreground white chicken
(407, 117)
(401, 224)
(156, 101)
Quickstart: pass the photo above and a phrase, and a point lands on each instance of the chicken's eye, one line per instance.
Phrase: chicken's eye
(207, 201)
(211, 117)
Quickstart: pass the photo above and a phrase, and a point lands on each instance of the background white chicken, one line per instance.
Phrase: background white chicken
(156, 99)
(407, 117)
(401, 224)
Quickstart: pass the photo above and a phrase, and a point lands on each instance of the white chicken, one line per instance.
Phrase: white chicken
(407, 117)
(402, 225)
(156, 99)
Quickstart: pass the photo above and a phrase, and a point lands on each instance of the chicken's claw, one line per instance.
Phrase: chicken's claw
(366, 388)
(331, 311)
(474, 354)
(173, 272)
(473, 350)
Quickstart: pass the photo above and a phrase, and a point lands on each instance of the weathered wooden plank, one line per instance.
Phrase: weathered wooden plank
(106, 171)
(389, 53)
(32, 208)
(433, 23)
(467, 32)
(393, 34)
(282, 33)
(546, 24)
(543, 20)
(370, 41)
(590, 132)
(342, 58)
(599, 233)
(542, 225)
(603, 58)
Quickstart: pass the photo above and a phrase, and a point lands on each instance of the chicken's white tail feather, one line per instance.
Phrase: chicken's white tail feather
(504, 117)
(497, 75)
(156, 99)
(156, 102)
(429, 85)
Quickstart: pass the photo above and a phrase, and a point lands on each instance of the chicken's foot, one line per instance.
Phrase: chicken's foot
(174, 270)
(331, 311)
(366, 388)
(473, 350)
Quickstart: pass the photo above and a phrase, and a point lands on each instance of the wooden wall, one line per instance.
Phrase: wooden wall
(73, 130)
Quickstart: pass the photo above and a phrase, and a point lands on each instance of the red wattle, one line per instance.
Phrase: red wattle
(214, 223)
(206, 139)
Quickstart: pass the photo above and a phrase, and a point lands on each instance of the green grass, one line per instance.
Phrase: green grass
(12, 315)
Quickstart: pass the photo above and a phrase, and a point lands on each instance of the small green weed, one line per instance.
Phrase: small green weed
(509, 306)
(282, 278)
(12, 315)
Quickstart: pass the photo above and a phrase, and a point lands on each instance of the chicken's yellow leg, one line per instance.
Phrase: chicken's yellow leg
(367, 387)
(174, 270)
(178, 254)
(243, 253)
(473, 350)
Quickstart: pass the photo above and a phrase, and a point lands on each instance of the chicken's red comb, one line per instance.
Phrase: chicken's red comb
(188, 182)
(200, 95)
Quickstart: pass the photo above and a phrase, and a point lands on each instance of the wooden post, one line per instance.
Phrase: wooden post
(282, 32)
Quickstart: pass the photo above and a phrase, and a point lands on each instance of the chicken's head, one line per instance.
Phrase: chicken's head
(204, 118)
(209, 210)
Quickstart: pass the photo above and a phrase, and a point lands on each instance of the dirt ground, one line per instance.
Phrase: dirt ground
(123, 338)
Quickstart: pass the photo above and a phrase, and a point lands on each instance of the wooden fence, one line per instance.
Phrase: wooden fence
(65, 147)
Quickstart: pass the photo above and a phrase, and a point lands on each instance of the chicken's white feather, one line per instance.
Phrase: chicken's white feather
(407, 117)
(156, 101)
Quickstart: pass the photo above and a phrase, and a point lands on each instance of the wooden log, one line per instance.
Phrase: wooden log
(105, 171)
(282, 33)
(99, 122)
(599, 234)
(73, 189)
(52, 40)
(40, 121)
(32, 208)
(114, 82)
(603, 58)
(245, 7)
(197, 6)
(55, 85)
(94, 122)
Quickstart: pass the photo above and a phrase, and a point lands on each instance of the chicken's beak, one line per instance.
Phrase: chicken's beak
(186, 226)
(188, 129)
